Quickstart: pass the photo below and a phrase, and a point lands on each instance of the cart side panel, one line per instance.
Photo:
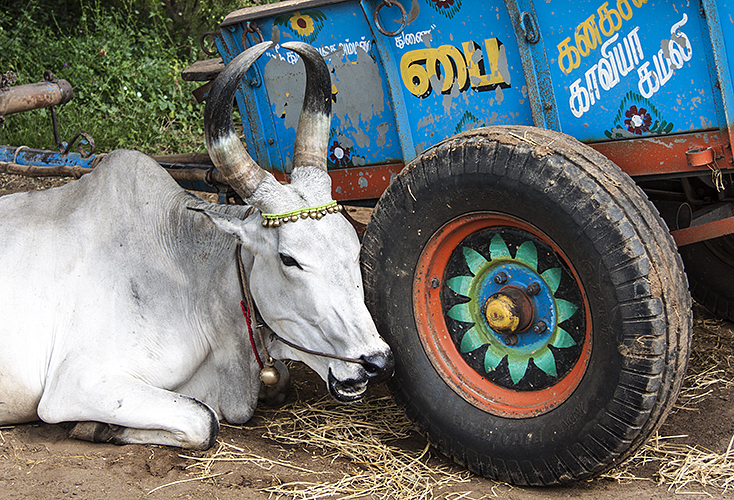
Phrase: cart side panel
(454, 71)
(363, 130)
(624, 69)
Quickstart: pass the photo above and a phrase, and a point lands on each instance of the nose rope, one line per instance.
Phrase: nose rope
(247, 305)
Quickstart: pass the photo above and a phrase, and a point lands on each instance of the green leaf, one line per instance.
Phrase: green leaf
(492, 359)
(528, 255)
(498, 248)
(461, 312)
(518, 366)
(565, 310)
(474, 260)
(546, 362)
(460, 285)
(473, 339)
(562, 339)
(552, 278)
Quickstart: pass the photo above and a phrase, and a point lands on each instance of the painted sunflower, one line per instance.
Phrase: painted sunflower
(302, 24)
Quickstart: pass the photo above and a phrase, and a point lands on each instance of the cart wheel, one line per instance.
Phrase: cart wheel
(535, 303)
(710, 269)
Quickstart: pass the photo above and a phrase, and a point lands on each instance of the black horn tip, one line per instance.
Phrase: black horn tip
(218, 108)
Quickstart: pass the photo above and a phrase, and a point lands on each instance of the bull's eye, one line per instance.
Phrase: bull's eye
(289, 261)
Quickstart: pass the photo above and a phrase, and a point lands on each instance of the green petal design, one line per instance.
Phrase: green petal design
(460, 284)
(528, 255)
(461, 312)
(474, 260)
(518, 367)
(552, 278)
(565, 309)
(498, 248)
(562, 339)
(492, 359)
(546, 362)
(473, 339)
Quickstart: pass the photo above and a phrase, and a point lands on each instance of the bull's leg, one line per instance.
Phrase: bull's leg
(138, 414)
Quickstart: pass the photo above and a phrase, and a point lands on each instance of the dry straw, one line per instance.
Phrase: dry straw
(363, 433)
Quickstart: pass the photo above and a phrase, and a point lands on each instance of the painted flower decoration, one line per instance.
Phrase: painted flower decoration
(447, 8)
(524, 266)
(302, 24)
(638, 121)
(338, 155)
(306, 25)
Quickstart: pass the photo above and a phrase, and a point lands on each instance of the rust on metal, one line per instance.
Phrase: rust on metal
(34, 96)
(703, 232)
(699, 156)
(662, 154)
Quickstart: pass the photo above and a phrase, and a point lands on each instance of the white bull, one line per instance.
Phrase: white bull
(120, 300)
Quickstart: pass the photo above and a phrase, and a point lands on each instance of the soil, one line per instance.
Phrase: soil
(39, 460)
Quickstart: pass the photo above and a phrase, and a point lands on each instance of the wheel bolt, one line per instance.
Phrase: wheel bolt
(540, 327)
(533, 289)
(500, 278)
(435, 283)
(511, 339)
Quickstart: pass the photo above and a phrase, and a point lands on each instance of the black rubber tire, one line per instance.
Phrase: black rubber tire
(710, 270)
(627, 262)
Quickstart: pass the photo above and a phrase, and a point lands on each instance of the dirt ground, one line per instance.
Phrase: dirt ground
(39, 461)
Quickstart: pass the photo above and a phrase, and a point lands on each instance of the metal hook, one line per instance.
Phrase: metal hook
(403, 18)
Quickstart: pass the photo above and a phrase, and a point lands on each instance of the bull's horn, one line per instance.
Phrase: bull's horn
(225, 148)
(312, 136)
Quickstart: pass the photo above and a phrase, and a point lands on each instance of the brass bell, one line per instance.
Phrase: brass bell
(269, 376)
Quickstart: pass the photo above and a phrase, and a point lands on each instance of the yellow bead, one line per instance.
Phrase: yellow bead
(294, 218)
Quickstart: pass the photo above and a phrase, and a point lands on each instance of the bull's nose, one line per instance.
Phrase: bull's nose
(379, 367)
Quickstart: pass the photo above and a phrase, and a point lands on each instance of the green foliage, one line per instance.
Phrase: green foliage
(123, 59)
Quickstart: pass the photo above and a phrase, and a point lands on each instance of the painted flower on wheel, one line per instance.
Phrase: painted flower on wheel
(638, 120)
(554, 312)
(338, 155)
(443, 4)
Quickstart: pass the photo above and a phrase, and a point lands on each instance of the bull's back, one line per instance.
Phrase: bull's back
(61, 253)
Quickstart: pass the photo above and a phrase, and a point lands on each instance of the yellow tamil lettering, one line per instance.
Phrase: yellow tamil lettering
(414, 73)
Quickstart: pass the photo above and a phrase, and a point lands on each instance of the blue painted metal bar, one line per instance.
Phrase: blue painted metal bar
(394, 84)
(535, 64)
(43, 158)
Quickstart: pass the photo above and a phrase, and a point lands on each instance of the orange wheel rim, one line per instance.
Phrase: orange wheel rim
(519, 374)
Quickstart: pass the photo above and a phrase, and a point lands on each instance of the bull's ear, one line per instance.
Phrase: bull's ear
(226, 222)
